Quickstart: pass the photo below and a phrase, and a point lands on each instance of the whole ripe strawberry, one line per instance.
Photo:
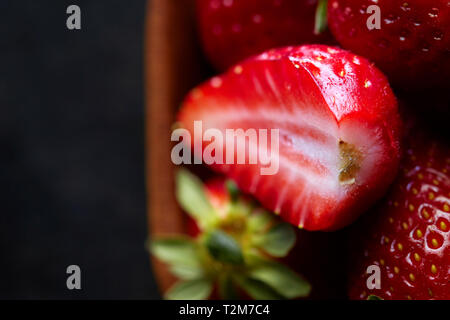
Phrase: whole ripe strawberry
(412, 45)
(338, 129)
(232, 30)
(408, 237)
(234, 248)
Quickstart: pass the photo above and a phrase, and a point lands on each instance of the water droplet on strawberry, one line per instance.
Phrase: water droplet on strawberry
(405, 7)
(433, 13)
(425, 47)
(404, 34)
(389, 20)
(437, 35)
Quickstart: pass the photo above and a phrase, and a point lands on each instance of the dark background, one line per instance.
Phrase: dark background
(72, 150)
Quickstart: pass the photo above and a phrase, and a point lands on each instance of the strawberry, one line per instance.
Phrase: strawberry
(338, 131)
(233, 249)
(232, 30)
(408, 236)
(411, 46)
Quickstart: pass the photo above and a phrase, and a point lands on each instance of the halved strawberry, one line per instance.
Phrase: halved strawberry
(408, 237)
(234, 30)
(338, 131)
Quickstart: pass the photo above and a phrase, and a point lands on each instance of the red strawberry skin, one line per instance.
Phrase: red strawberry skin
(408, 237)
(322, 100)
(413, 45)
(232, 30)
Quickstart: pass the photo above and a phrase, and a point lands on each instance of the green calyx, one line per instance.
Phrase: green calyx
(223, 248)
(234, 252)
(321, 22)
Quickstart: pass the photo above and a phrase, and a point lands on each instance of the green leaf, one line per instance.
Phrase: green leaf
(373, 297)
(279, 240)
(232, 189)
(227, 290)
(321, 17)
(199, 289)
(283, 280)
(177, 250)
(187, 272)
(256, 289)
(224, 248)
(258, 222)
(191, 196)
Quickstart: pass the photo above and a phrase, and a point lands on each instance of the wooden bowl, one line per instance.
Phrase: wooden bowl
(173, 65)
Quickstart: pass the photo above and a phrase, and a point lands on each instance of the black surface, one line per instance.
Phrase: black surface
(72, 150)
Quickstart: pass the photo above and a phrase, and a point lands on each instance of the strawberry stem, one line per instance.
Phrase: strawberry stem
(321, 17)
